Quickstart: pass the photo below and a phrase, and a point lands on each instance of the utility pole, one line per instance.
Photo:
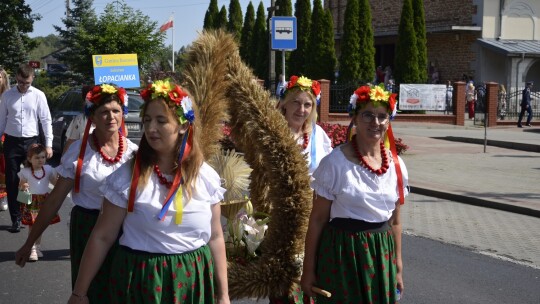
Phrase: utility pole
(272, 54)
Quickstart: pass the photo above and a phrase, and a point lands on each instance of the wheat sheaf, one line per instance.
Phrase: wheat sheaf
(279, 178)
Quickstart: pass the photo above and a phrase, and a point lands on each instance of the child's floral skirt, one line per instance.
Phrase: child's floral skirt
(30, 212)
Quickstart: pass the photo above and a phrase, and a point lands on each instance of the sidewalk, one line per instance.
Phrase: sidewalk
(449, 162)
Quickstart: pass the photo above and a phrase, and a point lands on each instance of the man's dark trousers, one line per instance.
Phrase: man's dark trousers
(15, 150)
(529, 115)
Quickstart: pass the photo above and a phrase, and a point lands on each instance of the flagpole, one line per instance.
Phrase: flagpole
(173, 42)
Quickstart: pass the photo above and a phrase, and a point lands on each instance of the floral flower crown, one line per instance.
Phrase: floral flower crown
(376, 94)
(304, 84)
(94, 96)
(173, 95)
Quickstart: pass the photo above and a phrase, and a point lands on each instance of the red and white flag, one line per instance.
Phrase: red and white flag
(167, 25)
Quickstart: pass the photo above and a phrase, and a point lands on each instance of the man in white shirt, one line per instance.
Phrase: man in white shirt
(22, 108)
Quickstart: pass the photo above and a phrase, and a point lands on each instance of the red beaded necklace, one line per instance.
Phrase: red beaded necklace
(162, 179)
(118, 156)
(34, 175)
(306, 141)
(384, 167)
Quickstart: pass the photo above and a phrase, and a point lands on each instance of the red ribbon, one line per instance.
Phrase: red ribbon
(177, 178)
(396, 162)
(81, 155)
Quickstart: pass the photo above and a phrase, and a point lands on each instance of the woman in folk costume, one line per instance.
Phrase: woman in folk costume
(299, 100)
(83, 168)
(353, 243)
(298, 104)
(166, 203)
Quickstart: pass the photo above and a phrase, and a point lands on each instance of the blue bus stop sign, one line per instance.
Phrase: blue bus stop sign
(284, 33)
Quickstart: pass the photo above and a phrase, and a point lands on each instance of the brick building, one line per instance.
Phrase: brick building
(486, 40)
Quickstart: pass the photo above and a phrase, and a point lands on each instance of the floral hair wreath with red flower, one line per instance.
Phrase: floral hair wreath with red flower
(173, 95)
(304, 84)
(94, 96)
(376, 94)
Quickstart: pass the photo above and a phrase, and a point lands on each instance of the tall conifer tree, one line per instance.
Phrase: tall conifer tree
(260, 44)
(328, 55)
(297, 59)
(349, 62)
(222, 18)
(211, 16)
(406, 61)
(235, 19)
(367, 44)
(247, 34)
(320, 59)
(421, 40)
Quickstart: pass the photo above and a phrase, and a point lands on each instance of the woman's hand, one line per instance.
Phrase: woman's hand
(307, 282)
(22, 255)
(399, 278)
(24, 186)
(223, 300)
(78, 299)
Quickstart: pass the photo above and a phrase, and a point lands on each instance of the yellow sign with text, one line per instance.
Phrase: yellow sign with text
(102, 61)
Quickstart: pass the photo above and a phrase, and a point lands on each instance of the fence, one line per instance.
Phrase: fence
(513, 104)
(340, 94)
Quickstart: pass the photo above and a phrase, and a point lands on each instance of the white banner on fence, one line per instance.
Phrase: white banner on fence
(430, 97)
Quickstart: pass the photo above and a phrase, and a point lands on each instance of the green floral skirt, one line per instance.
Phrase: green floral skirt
(142, 277)
(357, 267)
(81, 225)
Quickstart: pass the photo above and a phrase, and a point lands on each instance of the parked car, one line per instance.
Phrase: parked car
(70, 105)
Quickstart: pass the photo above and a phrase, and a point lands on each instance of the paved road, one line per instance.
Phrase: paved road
(460, 174)
(504, 238)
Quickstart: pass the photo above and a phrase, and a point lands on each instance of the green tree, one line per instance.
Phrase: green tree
(119, 30)
(297, 59)
(259, 62)
(367, 44)
(247, 33)
(221, 22)
(45, 46)
(79, 32)
(16, 21)
(421, 40)
(235, 19)
(321, 57)
(406, 60)
(284, 9)
(211, 16)
(349, 61)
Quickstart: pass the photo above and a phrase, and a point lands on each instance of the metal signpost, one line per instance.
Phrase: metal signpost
(283, 36)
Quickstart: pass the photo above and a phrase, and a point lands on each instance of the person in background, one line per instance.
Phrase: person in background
(470, 97)
(4, 81)
(501, 105)
(387, 75)
(298, 105)
(168, 197)
(4, 86)
(449, 93)
(83, 168)
(35, 178)
(280, 85)
(526, 105)
(353, 242)
(22, 109)
(76, 127)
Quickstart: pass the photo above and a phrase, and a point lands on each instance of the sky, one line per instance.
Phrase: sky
(188, 15)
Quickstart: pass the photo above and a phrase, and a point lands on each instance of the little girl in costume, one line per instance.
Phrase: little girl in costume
(35, 177)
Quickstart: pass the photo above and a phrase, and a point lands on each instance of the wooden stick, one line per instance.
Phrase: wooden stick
(322, 292)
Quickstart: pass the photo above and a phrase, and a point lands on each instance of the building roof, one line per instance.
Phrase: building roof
(512, 48)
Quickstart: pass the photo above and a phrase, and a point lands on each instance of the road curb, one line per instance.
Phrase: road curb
(475, 201)
(495, 143)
